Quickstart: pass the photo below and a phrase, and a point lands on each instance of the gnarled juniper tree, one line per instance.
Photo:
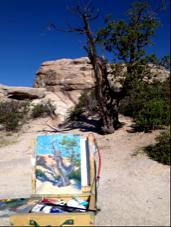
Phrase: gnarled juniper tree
(127, 39)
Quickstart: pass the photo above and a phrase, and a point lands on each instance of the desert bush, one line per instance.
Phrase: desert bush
(43, 110)
(161, 150)
(153, 115)
(148, 104)
(13, 114)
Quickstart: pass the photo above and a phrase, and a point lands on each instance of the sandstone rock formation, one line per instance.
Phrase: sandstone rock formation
(62, 81)
(37, 96)
(158, 73)
(67, 77)
(21, 93)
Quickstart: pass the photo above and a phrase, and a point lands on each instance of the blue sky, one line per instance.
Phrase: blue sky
(25, 41)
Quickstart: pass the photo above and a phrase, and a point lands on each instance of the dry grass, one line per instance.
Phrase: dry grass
(7, 138)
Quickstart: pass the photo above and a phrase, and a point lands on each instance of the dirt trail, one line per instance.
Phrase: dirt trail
(133, 191)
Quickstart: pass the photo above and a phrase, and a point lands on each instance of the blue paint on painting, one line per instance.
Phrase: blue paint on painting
(44, 144)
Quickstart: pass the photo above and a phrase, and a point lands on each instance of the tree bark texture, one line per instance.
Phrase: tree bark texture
(108, 104)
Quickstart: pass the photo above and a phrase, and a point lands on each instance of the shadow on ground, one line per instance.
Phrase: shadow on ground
(135, 128)
(84, 124)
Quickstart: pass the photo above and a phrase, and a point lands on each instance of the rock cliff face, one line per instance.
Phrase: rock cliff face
(69, 77)
(62, 81)
(38, 96)
(21, 93)
(66, 77)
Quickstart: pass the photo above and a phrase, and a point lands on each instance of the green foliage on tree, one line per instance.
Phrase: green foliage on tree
(165, 62)
(128, 38)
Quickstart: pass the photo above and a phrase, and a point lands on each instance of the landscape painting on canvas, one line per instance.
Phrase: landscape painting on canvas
(58, 164)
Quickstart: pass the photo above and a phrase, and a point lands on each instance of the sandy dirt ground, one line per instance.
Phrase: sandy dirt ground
(133, 190)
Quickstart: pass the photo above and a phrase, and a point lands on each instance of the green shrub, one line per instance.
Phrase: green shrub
(148, 104)
(87, 104)
(43, 110)
(161, 150)
(154, 114)
(13, 114)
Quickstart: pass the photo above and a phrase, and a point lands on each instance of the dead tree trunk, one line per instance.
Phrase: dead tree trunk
(108, 105)
(106, 97)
